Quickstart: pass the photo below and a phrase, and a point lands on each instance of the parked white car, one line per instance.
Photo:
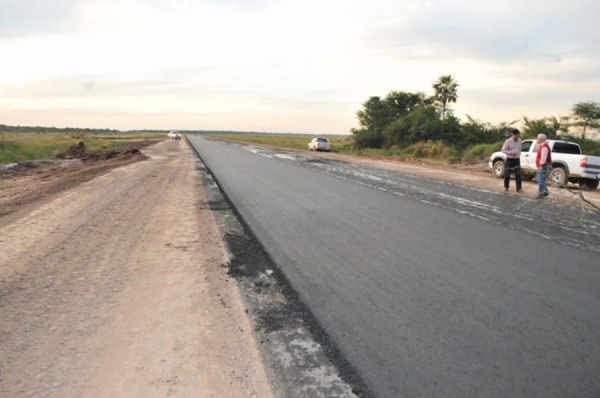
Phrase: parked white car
(319, 144)
(568, 163)
(174, 135)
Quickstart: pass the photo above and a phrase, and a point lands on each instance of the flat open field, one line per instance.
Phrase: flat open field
(16, 147)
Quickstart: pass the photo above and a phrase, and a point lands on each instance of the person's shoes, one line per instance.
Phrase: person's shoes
(519, 191)
(540, 196)
(546, 194)
(505, 189)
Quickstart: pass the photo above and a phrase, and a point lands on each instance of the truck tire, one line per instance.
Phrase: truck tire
(558, 176)
(588, 184)
(499, 168)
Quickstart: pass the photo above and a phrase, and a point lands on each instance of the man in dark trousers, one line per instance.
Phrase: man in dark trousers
(512, 150)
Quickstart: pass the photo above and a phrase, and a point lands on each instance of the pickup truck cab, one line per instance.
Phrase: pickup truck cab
(568, 163)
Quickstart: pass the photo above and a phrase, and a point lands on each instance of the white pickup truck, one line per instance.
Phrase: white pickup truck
(568, 163)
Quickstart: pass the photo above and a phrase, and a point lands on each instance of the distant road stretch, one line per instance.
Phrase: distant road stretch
(427, 288)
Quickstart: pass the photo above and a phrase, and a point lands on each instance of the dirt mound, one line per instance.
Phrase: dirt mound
(74, 152)
(79, 152)
(26, 167)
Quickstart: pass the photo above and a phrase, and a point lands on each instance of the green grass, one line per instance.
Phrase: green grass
(16, 147)
(480, 151)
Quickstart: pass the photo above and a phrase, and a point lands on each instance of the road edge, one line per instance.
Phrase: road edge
(301, 358)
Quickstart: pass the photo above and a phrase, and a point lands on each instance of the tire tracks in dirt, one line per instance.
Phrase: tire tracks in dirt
(117, 288)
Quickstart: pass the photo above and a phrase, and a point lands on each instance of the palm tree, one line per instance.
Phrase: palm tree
(445, 92)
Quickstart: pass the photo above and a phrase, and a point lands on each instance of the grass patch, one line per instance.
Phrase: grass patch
(433, 152)
(16, 147)
(481, 151)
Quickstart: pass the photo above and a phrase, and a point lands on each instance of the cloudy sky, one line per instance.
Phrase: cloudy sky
(287, 65)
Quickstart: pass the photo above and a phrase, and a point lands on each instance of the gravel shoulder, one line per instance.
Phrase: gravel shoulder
(114, 284)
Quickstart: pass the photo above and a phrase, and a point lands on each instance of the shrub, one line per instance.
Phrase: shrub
(430, 150)
(481, 151)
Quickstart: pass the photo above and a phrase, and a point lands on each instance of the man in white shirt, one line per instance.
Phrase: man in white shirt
(512, 150)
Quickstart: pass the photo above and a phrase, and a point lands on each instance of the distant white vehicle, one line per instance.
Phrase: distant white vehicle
(319, 144)
(174, 135)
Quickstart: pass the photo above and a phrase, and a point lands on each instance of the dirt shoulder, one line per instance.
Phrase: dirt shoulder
(112, 283)
(476, 175)
(30, 182)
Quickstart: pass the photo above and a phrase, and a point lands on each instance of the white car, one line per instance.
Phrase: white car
(174, 135)
(319, 144)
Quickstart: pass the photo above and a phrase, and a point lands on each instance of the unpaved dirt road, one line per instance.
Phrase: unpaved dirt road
(116, 288)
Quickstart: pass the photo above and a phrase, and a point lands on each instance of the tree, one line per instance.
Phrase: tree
(422, 124)
(445, 92)
(401, 103)
(364, 138)
(586, 114)
(552, 126)
(377, 114)
(476, 132)
(373, 116)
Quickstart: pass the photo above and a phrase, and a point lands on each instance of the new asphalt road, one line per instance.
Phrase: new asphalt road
(427, 288)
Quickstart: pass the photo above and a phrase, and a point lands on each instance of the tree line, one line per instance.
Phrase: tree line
(401, 119)
(39, 129)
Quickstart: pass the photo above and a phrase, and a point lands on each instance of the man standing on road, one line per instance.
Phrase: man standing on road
(543, 162)
(512, 150)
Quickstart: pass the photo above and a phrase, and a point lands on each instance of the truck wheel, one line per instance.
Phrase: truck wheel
(558, 176)
(499, 168)
(588, 184)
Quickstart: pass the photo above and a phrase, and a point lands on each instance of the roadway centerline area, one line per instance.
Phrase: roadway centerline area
(427, 288)
(566, 224)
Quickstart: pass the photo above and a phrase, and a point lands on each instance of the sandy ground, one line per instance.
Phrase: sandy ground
(114, 286)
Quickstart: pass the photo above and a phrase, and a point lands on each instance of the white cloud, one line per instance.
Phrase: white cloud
(34, 17)
(293, 65)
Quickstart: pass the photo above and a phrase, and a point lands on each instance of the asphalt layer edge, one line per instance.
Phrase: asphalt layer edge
(301, 358)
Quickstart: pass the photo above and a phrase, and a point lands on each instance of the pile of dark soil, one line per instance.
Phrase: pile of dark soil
(74, 152)
(79, 152)
(26, 167)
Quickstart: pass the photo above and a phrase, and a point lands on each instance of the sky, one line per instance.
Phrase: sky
(303, 66)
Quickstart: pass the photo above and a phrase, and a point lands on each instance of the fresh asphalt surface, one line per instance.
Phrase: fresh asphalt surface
(427, 288)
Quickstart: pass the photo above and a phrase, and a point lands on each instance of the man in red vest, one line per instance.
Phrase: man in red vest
(543, 162)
